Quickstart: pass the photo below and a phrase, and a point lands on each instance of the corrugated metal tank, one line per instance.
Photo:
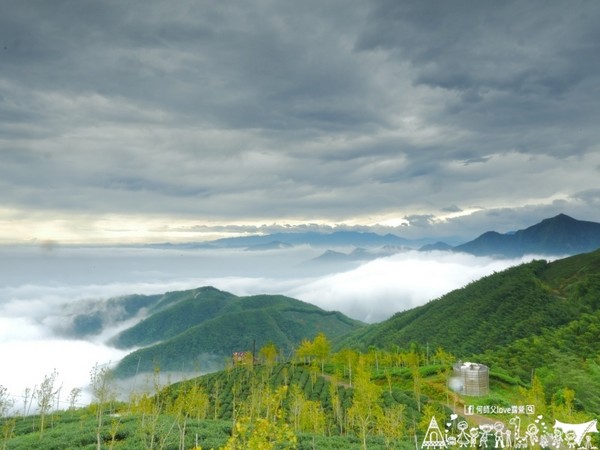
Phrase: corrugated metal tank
(475, 378)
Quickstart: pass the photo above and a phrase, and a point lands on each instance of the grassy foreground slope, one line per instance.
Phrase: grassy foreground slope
(375, 400)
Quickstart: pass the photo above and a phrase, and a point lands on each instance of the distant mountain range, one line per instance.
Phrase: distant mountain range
(358, 254)
(312, 238)
(559, 235)
(335, 239)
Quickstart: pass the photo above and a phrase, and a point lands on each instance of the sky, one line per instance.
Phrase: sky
(153, 121)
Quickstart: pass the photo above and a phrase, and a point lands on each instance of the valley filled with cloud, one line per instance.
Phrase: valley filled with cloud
(41, 293)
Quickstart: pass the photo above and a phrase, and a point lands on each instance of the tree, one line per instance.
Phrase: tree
(535, 395)
(6, 402)
(150, 408)
(193, 402)
(215, 395)
(321, 348)
(45, 395)
(443, 358)
(562, 404)
(269, 355)
(102, 393)
(28, 395)
(413, 362)
(305, 351)
(8, 430)
(312, 417)
(296, 402)
(8, 425)
(349, 359)
(261, 434)
(336, 404)
(74, 395)
(390, 424)
(373, 355)
(365, 403)
(430, 410)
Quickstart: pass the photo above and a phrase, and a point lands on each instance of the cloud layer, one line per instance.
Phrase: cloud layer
(37, 308)
(119, 120)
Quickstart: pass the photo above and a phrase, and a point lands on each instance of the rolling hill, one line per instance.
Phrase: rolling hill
(206, 325)
(496, 310)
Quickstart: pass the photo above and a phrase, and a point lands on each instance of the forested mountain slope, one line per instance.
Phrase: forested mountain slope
(496, 310)
(174, 314)
(207, 325)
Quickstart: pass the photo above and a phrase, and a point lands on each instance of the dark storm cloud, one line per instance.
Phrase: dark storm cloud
(511, 67)
(589, 197)
(292, 112)
(228, 65)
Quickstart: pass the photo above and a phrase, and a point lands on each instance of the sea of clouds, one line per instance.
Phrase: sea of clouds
(41, 290)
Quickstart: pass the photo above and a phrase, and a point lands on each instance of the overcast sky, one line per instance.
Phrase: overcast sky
(159, 120)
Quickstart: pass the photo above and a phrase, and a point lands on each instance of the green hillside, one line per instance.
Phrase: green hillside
(204, 326)
(539, 319)
(496, 310)
(375, 400)
(103, 313)
(173, 314)
(289, 405)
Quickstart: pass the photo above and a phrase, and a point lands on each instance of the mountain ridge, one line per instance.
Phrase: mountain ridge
(560, 235)
(495, 310)
(206, 325)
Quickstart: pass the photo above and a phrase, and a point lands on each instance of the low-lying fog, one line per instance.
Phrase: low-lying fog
(41, 287)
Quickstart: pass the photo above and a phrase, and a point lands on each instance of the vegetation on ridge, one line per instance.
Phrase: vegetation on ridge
(496, 310)
(204, 326)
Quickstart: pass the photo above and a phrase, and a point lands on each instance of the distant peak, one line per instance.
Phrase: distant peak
(561, 216)
(490, 234)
